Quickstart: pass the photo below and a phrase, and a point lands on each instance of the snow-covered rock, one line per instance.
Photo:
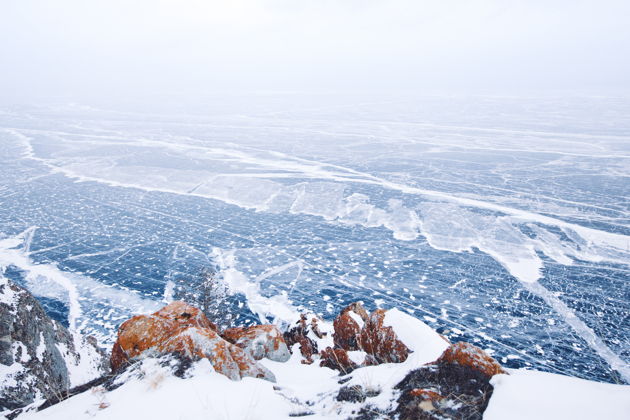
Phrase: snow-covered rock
(348, 326)
(39, 357)
(307, 336)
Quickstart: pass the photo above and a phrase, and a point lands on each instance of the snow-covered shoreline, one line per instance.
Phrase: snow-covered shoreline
(162, 384)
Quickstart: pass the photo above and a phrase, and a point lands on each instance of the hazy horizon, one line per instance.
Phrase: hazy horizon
(81, 51)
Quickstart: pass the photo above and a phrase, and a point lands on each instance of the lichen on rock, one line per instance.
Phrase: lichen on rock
(184, 329)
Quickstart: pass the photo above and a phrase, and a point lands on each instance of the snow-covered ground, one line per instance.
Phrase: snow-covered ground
(153, 392)
(525, 394)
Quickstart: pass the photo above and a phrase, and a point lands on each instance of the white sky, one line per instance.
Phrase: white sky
(92, 48)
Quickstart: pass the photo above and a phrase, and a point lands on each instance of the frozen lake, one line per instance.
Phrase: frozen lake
(502, 221)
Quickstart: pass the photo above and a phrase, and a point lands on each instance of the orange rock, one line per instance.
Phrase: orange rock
(185, 315)
(355, 329)
(466, 354)
(337, 359)
(308, 348)
(348, 325)
(225, 357)
(145, 331)
(184, 329)
(381, 342)
(138, 334)
(425, 394)
(260, 341)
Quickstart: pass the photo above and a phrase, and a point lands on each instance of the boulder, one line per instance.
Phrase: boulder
(380, 342)
(185, 315)
(259, 341)
(183, 329)
(38, 354)
(465, 354)
(355, 330)
(443, 391)
(143, 332)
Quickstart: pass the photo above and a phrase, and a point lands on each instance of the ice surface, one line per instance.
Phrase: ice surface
(511, 231)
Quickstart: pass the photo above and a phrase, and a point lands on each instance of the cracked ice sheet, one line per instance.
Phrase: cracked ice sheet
(84, 296)
(473, 174)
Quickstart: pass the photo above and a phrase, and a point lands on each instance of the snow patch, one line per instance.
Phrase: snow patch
(20, 352)
(41, 348)
(160, 395)
(426, 344)
(356, 318)
(525, 394)
(357, 356)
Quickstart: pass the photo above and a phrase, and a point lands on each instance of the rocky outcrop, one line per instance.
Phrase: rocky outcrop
(300, 335)
(356, 330)
(143, 332)
(348, 326)
(443, 380)
(380, 342)
(259, 341)
(455, 386)
(443, 391)
(37, 354)
(185, 330)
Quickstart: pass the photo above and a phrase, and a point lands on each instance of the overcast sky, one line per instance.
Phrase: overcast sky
(91, 49)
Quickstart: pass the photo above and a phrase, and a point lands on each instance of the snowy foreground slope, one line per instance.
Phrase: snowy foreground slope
(204, 395)
(161, 386)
